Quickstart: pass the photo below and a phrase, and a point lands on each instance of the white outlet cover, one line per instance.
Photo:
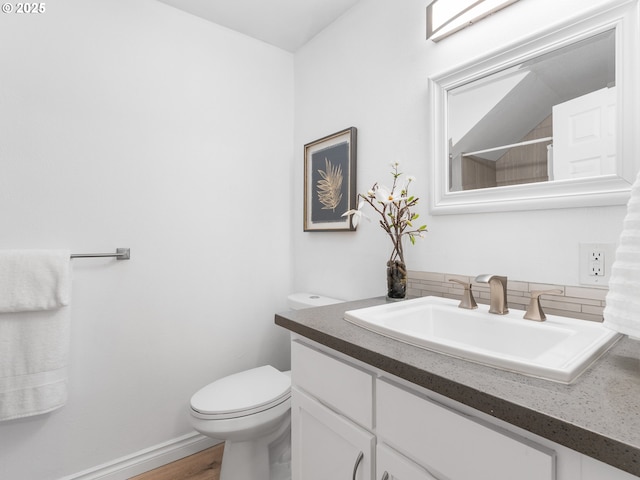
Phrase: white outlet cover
(609, 250)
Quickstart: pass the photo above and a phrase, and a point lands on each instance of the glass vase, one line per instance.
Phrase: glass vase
(396, 280)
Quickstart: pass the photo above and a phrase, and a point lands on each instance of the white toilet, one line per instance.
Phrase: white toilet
(250, 411)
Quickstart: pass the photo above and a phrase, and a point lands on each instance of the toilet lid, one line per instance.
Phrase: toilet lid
(243, 393)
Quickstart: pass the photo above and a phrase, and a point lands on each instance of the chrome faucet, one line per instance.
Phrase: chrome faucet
(497, 292)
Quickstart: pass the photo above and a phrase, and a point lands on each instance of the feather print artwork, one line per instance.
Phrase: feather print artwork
(329, 187)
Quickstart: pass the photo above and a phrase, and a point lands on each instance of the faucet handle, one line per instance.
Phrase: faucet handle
(467, 300)
(534, 310)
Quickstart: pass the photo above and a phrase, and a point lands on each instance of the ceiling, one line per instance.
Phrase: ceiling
(287, 24)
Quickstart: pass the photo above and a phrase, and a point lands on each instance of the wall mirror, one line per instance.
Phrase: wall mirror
(549, 122)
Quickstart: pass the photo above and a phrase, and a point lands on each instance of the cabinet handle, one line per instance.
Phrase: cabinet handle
(355, 467)
(385, 476)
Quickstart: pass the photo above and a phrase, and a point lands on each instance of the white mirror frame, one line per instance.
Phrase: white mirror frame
(623, 16)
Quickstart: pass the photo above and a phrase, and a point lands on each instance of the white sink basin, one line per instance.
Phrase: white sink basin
(558, 349)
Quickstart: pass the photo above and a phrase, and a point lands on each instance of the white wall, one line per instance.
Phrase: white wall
(370, 70)
(126, 123)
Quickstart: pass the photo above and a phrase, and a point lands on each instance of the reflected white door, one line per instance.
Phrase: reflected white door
(584, 136)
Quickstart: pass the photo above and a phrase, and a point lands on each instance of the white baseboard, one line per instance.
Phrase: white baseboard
(126, 467)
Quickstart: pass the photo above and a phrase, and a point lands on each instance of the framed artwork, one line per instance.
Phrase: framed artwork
(330, 181)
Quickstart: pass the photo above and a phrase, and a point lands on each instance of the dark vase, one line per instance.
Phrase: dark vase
(396, 279)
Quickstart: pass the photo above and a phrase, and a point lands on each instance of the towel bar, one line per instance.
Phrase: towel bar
(121, 254)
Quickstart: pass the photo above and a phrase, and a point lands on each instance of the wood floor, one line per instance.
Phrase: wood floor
(204, 465)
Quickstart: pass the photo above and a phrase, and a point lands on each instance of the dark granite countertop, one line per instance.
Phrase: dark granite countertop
(597, 415)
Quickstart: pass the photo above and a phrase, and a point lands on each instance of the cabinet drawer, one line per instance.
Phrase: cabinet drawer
(453, 445)
(344, 387)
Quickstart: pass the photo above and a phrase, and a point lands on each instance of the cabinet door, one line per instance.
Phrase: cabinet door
(326, 445)
(457, 446)
(393, 466)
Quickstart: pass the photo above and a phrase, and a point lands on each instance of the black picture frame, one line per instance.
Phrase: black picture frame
(330, 182)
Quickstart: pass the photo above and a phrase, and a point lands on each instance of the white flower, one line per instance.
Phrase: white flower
(405, 184)
(384, 196)
(394, 206)
(357, 214)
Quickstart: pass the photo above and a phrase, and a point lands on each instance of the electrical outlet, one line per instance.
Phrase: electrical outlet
(595, 263)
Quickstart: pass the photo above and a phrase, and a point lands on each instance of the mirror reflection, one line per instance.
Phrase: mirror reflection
(550, 118)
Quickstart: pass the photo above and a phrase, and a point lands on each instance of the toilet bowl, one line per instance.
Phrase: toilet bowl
(251, 412)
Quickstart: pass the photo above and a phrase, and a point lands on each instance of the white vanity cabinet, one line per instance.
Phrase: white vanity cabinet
(344, 409)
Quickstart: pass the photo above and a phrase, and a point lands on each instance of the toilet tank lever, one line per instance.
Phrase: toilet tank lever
(467, 300)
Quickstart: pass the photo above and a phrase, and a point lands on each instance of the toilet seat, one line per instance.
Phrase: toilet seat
(242, 394)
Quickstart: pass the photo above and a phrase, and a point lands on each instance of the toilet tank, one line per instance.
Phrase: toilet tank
(298, 301)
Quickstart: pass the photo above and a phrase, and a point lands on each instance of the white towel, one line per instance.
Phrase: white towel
(32, 280)
(622, 311)
(34, 345)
